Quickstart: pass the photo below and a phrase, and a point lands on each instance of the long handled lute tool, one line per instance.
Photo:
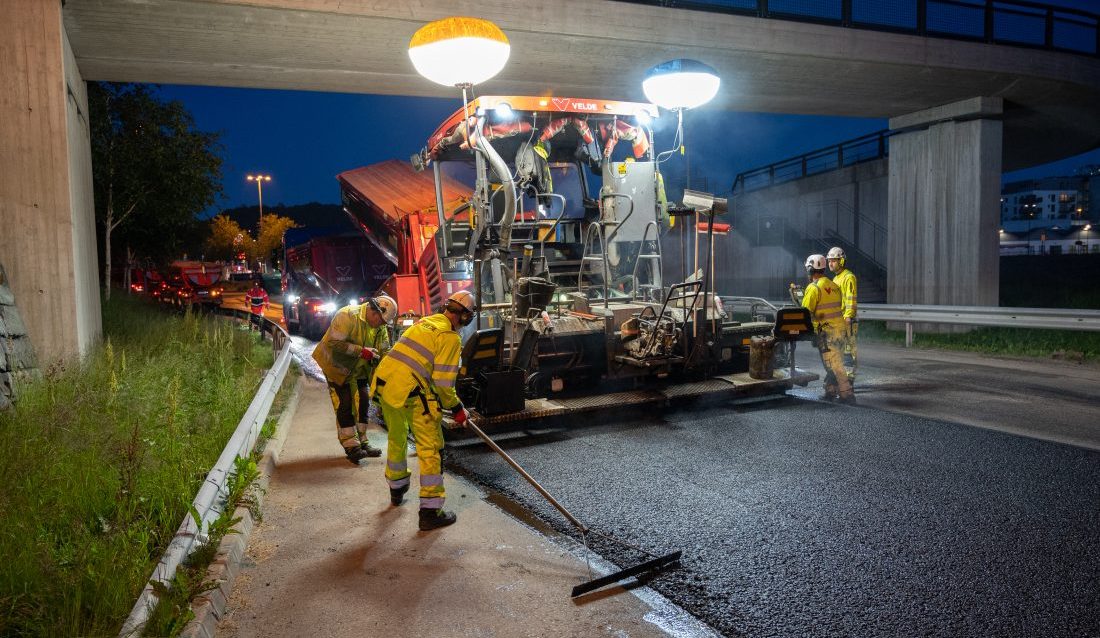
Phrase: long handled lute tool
(656, 562)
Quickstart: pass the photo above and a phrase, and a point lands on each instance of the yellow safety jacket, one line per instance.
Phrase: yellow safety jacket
(822, 299)
(347, 335)
(424, 360)
(846, 281)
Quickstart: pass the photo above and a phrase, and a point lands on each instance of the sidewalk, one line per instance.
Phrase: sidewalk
(333, 558)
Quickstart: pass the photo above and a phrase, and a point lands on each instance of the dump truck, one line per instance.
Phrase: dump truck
(325, 269)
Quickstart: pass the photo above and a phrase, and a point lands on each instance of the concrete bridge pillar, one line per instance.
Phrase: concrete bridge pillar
(944, 205)
(47, 220)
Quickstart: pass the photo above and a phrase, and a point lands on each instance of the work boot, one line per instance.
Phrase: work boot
(827, 396)
(355, 454)
(370, 450)
(397, 494)
(848, 400)
(434, 519)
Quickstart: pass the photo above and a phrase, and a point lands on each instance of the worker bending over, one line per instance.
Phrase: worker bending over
(846, 281)
(822, 299)
(414, 383)
(348, 355)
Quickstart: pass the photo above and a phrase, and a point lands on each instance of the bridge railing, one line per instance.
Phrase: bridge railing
(861, 149)
(1010, 22)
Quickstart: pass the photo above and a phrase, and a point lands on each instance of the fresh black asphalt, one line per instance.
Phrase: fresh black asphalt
(800, 518)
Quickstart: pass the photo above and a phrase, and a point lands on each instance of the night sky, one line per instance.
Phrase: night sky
(303, 139)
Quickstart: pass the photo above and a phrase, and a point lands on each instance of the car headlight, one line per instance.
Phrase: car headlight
(327, 308)
(292, 298)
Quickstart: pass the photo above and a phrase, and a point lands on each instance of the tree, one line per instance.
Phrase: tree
(227, 238)
(270, 237)
(152, 171)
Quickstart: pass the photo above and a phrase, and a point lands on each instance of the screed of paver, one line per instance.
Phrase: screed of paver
(332, 557)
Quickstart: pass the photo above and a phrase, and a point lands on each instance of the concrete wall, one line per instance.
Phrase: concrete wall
(89, 322)
(944, 201)
(761, 264)
(47, 238)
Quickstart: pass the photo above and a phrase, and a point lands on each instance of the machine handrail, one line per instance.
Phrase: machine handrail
(629, 212)
(554, 226)
(664, 306)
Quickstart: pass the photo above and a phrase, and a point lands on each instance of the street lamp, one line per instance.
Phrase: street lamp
(1088, 227)
(260, 179)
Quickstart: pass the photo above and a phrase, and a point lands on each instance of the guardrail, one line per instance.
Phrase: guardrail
(854, 151)
(1044, 318)
(1010, 22)
(211, 496)
(759, 309)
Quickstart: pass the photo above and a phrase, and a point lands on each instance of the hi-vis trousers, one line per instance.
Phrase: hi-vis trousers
(352, 407)
(836, 379)
(422, 416)
(849, 351)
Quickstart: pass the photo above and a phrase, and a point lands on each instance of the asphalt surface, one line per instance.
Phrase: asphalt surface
(800, 518)
(803, 518)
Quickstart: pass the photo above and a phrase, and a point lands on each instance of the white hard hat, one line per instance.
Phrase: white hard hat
(836, 252)
(815, 262)
(385, 306)
(465, 299)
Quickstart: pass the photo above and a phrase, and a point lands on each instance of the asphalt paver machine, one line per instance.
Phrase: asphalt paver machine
(561, 235)
(556, 225)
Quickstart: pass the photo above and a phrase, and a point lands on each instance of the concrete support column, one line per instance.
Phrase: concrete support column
(47, 219)
(944, 205)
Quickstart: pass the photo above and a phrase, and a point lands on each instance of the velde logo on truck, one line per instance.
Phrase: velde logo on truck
(343, 273)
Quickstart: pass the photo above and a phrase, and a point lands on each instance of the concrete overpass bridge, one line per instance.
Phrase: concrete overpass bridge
(969, 109)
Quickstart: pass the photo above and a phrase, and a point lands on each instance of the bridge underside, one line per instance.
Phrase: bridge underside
(592, 48)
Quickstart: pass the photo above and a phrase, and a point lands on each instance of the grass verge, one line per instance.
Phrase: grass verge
(100, 461)
(1072, 345)
(173, 611)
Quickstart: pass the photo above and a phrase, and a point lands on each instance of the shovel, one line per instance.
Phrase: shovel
(654, 563)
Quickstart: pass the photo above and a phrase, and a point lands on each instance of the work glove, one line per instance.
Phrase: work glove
(367, 354)
(461, 416)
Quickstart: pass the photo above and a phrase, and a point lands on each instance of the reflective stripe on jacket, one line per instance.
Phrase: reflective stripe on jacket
(347, 335)
(846, 281)
(425, 358)
(822, 299)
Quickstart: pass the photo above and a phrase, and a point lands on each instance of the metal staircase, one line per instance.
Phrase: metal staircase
(652, 289)
(590, 259)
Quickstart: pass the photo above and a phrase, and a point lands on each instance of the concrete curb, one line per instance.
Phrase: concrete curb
(209, 607)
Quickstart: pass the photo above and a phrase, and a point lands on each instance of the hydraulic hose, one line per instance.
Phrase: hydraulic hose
(497, 163)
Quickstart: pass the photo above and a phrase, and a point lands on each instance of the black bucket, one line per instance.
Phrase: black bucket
(762, 357)
(533, 293)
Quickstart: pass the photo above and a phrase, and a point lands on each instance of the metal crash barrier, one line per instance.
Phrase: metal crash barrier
(1043, 318)
(210, 500)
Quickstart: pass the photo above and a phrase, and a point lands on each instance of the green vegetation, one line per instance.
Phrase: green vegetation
(100, 461)
(1071, 345)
